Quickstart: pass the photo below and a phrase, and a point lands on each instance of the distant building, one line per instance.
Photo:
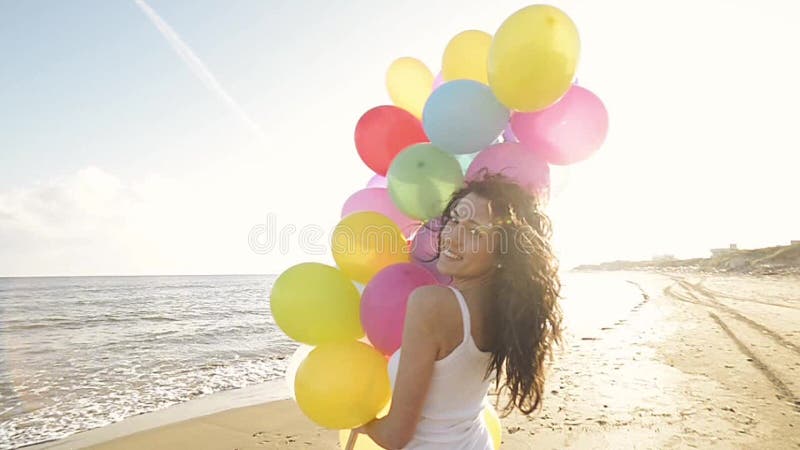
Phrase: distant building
(724, 251)
(664, 258)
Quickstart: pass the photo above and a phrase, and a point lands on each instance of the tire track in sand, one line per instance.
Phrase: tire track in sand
(784, 392)
(715, 303)
(712, 302)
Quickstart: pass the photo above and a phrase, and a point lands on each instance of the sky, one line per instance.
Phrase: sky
(157, 137)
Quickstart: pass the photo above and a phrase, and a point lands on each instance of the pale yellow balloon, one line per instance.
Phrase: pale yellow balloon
(409, 82)
(533, 57)
(490, 417)
(466, 57)
(492, 421)
(363, 442)
(342, 384)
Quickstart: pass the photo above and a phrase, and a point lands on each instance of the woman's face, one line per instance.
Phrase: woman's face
(467, 243)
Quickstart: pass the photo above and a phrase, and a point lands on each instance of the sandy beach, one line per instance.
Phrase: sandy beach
(701, 361)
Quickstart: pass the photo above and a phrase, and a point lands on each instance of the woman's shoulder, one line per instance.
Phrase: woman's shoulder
(432, 295)
(432, 302)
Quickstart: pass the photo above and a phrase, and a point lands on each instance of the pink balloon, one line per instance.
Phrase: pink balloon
(515, 161)
(508, 134)
(430, 266)
(383, 304)
(377, 181)
(425, 244)
(378, 200)
(438, 81)
(567, 132)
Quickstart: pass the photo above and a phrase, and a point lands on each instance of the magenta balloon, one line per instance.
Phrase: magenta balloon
(378, 200)
(425, 245)
(430, 266)
(383, 303)
(515, 161)
(438, 81)
(567, 132)
(425, 248)
(377, 181)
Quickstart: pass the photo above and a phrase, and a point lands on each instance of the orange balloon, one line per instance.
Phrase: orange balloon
(366, 242)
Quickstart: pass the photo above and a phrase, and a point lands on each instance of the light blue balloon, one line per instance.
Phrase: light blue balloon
(463, 116)
(465, 160)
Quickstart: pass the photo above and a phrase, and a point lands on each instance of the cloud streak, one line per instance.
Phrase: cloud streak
(198, 68)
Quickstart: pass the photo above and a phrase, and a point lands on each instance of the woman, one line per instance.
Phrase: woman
(498, 321)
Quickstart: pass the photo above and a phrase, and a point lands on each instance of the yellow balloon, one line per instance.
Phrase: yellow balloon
(314, 303)
(533, 58)
(342, 384)
(409, 83)
(492, 421)
(366, 242)
(363, 442)
(466, 57)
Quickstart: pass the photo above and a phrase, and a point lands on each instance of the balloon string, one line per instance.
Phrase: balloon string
(351, 441)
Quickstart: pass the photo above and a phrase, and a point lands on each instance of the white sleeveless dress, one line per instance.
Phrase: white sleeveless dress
(452, 414)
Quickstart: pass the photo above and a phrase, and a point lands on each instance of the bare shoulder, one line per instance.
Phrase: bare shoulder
(431, 304)
(434, 312)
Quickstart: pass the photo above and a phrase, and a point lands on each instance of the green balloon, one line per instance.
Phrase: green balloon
(421, 180)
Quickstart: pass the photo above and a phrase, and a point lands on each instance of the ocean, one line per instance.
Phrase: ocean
(78, 353)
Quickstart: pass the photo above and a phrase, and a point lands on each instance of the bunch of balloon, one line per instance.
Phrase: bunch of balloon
(531, 69)
(318, 306)
(502, 103)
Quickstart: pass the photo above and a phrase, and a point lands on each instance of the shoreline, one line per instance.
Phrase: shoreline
(218, 402)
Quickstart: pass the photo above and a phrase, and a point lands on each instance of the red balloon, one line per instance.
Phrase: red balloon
(383, 132)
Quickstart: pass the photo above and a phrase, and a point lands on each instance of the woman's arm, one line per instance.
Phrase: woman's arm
(420, 348)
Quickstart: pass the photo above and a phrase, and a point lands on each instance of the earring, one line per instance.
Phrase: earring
(499, 266)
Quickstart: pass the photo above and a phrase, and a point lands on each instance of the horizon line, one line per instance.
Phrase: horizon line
(138, 275)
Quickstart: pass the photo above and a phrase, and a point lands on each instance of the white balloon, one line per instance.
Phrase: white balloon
(294, 362)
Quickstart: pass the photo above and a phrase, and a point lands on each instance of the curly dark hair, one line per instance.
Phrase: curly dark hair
(525, 318)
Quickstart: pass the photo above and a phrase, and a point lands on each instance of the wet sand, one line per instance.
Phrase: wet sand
(701, 361)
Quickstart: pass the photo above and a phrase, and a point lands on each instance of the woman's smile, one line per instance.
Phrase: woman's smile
(449, 254)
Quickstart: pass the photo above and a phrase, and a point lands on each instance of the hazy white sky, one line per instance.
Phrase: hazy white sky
(124, 152)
